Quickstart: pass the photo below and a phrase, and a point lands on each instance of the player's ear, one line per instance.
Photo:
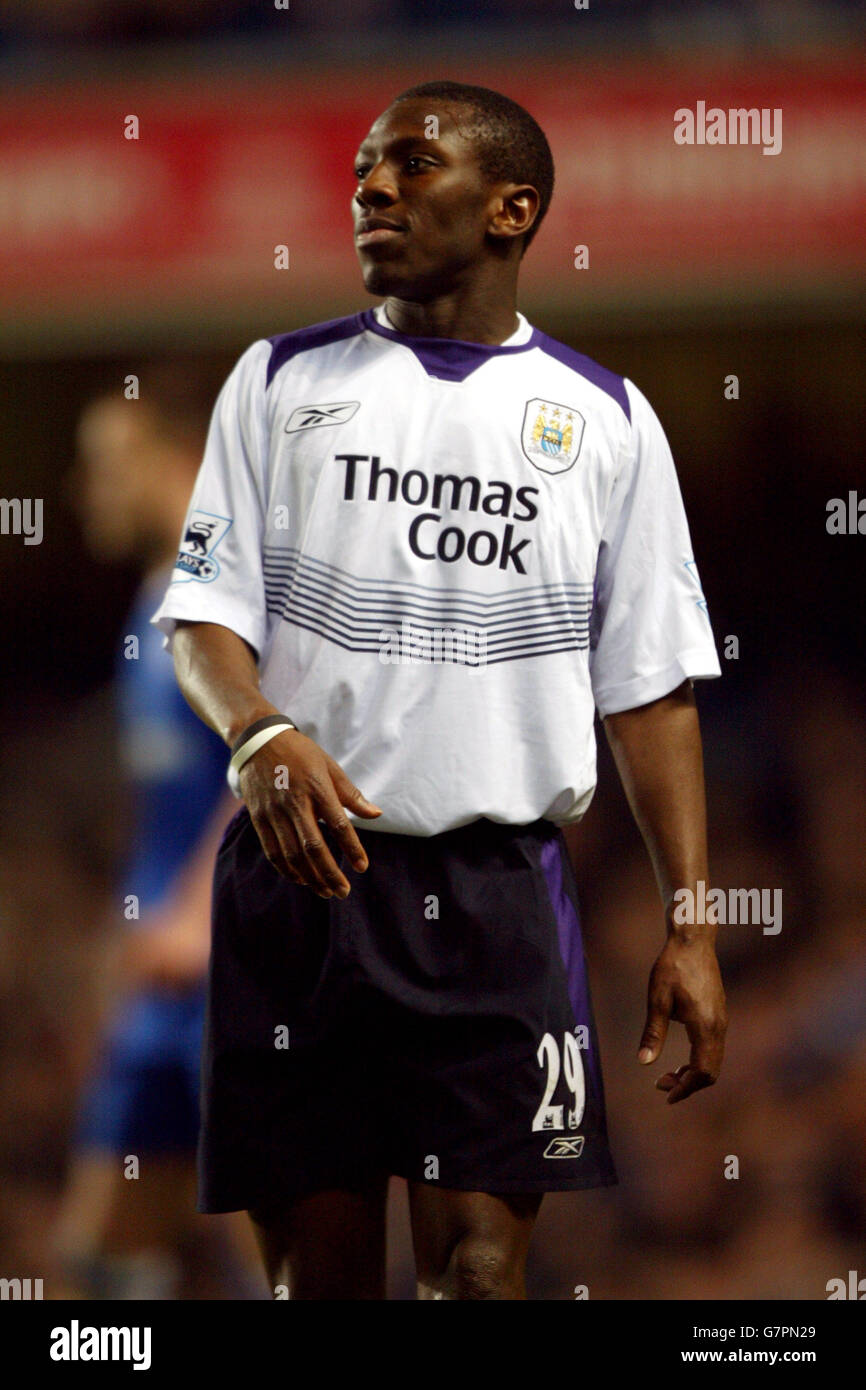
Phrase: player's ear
(515, 208)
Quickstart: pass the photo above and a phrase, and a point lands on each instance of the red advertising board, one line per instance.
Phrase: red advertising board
(184, 219)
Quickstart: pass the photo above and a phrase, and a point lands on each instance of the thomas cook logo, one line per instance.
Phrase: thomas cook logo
(565, 1148)
(552, 435)
(307, 417)
(202, 534)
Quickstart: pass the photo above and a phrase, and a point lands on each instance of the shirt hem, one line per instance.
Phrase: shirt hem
(235, 619)
(644, 689)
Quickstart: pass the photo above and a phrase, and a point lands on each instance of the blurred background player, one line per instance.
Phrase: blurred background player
(123, 1232)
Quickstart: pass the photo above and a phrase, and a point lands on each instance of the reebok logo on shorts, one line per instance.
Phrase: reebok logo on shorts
(564, 1148)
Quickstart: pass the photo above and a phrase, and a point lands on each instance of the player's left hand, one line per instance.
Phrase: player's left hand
(685, 986)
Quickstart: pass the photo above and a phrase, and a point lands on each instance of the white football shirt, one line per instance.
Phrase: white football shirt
(446, 556)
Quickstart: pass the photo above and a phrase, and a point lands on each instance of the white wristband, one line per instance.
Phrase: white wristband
(252, 745)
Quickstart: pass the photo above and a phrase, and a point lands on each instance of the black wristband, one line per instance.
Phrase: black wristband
(267, 723)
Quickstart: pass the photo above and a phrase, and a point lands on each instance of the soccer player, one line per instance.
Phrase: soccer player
(124, 1233)
(425, 543)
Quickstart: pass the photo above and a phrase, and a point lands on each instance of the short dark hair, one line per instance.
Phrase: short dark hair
(510, 144)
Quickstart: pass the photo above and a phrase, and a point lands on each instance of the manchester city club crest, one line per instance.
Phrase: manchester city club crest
(552, 435)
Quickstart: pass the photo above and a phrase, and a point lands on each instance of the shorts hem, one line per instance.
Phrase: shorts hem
(517, 1185)
(216, 1206)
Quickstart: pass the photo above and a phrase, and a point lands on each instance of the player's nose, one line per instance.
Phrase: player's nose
(377, 188)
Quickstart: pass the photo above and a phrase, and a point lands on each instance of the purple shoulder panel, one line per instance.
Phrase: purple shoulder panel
(606, 380)
(284, 346)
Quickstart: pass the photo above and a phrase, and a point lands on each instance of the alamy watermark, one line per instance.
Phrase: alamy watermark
(20, 1290)
(416, 646)
(734, 907)
(853, 1288)
(739, 125)
(22, 516)
(77, 1343)
(846, 517)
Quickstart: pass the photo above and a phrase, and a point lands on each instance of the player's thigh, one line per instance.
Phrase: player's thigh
(471, 1245)
(327, 1245)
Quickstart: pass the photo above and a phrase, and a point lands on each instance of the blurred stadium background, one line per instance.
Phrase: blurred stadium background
(121, 256)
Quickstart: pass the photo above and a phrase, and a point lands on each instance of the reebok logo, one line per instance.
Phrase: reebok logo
(307, 417)
(564, 1148)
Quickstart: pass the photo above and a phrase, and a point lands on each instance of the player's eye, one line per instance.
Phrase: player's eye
(420, 163)
(361, 170)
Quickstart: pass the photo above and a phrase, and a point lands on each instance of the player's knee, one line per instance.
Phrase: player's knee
(480, 1268)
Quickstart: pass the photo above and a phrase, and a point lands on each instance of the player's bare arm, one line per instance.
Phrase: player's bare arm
(658, 754)
(217, 672)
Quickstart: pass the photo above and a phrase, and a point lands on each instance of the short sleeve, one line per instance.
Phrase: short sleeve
(650, 629)
(217, 576)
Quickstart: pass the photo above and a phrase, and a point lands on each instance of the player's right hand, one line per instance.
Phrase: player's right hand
(289, 786)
